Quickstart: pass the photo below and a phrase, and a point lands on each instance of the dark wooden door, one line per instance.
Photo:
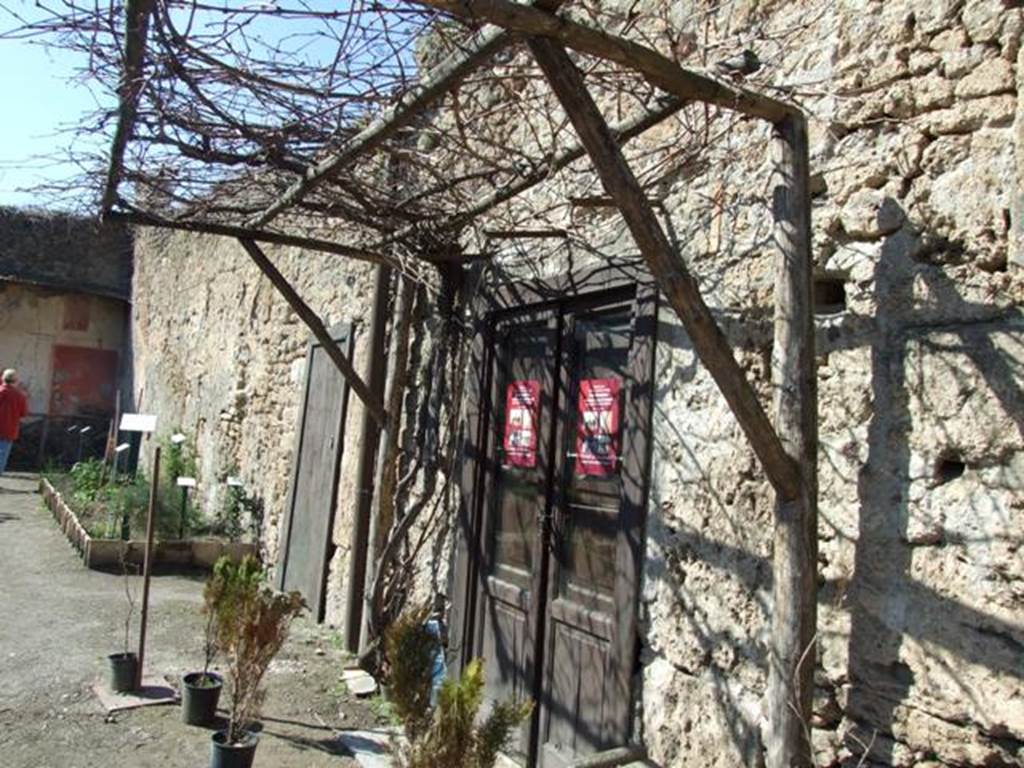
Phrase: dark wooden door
(561, 530)
(517, 502)
(590, 623)
(306, 535)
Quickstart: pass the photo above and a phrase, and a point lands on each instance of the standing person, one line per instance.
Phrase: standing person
(13, 408)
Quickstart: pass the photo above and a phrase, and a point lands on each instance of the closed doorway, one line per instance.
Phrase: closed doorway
(554, 584)
(306, 534)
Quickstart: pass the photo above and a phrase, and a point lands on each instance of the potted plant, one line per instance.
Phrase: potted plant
(250, 627)
(124, 666)
(200, 691)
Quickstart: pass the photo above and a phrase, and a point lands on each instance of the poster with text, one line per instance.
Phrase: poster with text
(522, 409)
(597, 433)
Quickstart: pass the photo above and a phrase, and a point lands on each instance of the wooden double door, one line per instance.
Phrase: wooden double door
(560, 521)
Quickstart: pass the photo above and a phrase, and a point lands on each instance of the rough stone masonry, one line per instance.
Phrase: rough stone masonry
(917, 132)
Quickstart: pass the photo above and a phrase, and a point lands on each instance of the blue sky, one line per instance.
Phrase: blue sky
(44, 101)
(40, 98)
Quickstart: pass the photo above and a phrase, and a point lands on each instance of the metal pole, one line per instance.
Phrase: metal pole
(184, 509)
(148, 563)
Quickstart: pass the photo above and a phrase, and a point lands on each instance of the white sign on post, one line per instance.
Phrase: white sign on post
(177, 438)
(235, 482)
(138, 422)
(186, 482)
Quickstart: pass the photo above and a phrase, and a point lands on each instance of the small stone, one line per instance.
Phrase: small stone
(983, 19)
(958, 63)
(870, 214)
(991, 77)
(949, 40)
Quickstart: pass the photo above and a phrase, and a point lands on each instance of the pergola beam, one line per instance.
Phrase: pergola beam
(668, 270)
(320, 332)
(245, 233)
(653, 66)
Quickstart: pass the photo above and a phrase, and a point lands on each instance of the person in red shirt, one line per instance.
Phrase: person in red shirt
(13, 408)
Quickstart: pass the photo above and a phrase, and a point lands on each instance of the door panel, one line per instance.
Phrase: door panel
(518, 475)
(583, 617)
(307, 534)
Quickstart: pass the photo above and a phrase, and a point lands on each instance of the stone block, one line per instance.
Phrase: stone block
(991, 77)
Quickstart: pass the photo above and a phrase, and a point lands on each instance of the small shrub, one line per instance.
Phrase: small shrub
(444, 736)
(86, 481)
(452, 740)
(250, 625)
(410, 648)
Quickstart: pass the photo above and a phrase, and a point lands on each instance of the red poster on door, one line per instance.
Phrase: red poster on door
(522, 411)
(597, 433)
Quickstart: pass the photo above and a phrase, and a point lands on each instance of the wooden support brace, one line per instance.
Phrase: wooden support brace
(794, 587)
(316, 326)
(655, 68)
(666, 267)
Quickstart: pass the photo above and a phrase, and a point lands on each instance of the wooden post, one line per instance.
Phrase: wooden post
(369, 437)
(666, 267)
(794, 614)
(386, 481)
(147, 565)
(316, 326)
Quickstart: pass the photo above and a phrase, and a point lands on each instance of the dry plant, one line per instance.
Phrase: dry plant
(127, 571)
(251, 625)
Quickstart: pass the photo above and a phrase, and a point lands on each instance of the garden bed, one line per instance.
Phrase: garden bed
(107, 554)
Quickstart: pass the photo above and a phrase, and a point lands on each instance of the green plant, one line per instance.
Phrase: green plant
(452, 739)
(250, 626)
(410, 649)
(445, 735)
(242, 513)
(178, 461)
(86, 481)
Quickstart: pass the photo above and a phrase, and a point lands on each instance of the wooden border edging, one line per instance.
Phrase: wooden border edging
(106, 554)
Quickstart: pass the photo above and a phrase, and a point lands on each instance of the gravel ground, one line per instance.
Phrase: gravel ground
(60, 620)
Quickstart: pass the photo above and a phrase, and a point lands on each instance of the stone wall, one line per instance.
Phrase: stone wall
(34, 319)
(912, 117)
(917, 140)
(64, 251)
(220, 356)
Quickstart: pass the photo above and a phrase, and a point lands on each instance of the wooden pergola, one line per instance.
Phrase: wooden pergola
(785, 445)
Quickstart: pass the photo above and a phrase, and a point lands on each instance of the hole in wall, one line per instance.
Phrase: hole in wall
(829, 294)
(949, 467)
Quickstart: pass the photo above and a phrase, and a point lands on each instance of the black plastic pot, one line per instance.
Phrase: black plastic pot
(239, 755)
(123, 667)
(199, 700)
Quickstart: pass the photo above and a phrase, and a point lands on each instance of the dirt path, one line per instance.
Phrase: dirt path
(58, 621)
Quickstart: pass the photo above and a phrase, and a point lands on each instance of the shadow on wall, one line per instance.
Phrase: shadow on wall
(876, 706)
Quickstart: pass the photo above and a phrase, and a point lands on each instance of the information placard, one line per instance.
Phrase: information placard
(138, 422)
(597, 431)
(522, 410)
